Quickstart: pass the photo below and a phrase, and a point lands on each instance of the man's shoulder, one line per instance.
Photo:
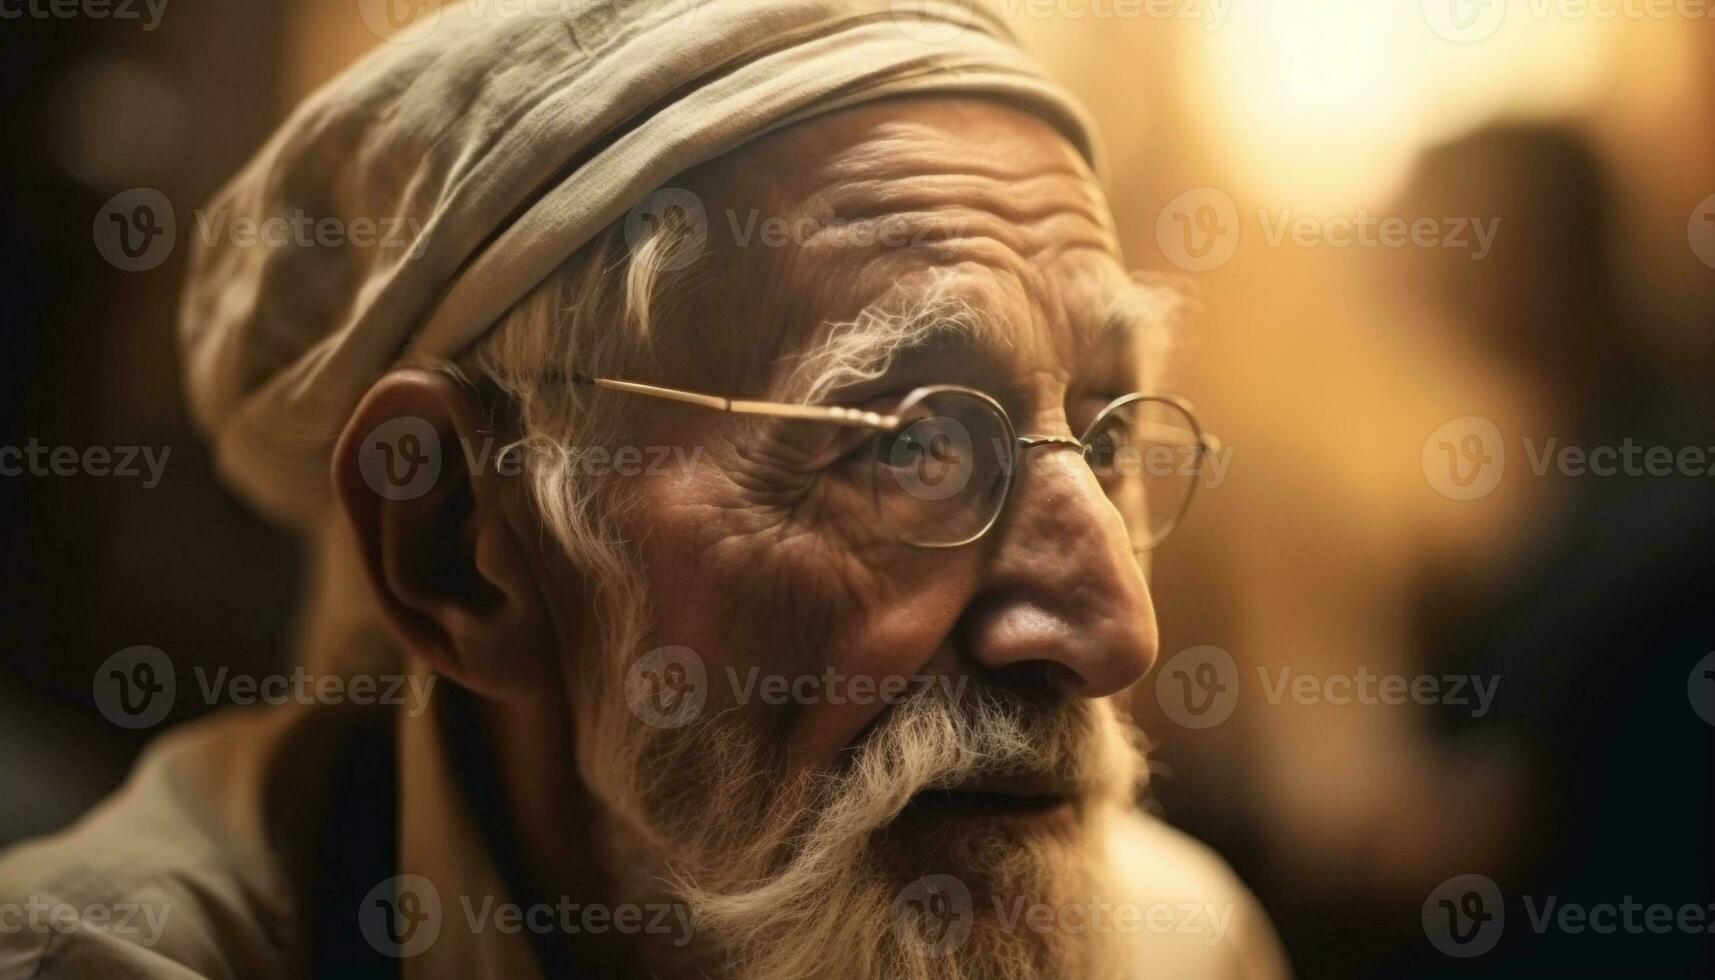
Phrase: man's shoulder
(185, 871)
(1192, 915)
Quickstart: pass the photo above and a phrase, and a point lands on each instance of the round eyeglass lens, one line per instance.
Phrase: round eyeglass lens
(1148, 455)
(942, 477)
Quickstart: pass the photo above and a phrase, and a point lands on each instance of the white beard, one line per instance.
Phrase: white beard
(797, 878)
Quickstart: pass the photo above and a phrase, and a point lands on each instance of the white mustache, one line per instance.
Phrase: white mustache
(785, 882)
(934, 742)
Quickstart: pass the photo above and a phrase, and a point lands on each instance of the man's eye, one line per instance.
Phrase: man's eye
(901, 449)
(930, 441)
(1108, 443)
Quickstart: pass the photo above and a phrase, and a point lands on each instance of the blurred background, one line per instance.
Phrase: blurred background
(1450, 260)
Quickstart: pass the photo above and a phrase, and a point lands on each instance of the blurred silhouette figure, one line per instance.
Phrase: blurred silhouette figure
(1600, 620)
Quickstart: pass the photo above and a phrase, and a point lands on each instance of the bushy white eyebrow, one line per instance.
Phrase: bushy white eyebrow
(1142, 316)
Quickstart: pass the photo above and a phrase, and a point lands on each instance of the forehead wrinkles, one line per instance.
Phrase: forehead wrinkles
(1054, 205)
(1005, 168)
(946, 218)
(1056, 328)
(999, 199)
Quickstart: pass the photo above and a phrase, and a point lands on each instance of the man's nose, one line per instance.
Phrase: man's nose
(1064, 589)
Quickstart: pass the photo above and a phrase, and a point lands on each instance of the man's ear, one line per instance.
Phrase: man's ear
(437, 516)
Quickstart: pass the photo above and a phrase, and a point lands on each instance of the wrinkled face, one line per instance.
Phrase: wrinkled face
(851, 712)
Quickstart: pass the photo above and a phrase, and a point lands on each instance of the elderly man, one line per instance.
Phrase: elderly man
(757, 444)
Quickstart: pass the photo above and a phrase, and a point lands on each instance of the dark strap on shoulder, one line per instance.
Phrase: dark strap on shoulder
(358, 851)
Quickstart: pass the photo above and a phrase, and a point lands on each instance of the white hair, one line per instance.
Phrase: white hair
(594, 316)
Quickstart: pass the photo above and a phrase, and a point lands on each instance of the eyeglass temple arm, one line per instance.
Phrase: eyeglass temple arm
(834, 414)
(1208, 442)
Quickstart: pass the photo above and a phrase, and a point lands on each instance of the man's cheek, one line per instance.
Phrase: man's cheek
(780, 602)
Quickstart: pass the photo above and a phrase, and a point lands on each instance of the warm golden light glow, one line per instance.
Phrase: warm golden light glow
(1324, 102)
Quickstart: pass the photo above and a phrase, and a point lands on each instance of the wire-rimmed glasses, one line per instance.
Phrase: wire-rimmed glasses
(947, 458)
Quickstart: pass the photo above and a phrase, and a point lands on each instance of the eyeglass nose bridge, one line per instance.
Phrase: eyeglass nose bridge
(1031, 442)
(1026, 443)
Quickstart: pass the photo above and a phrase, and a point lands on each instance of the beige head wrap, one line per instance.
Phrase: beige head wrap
(486, 152)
